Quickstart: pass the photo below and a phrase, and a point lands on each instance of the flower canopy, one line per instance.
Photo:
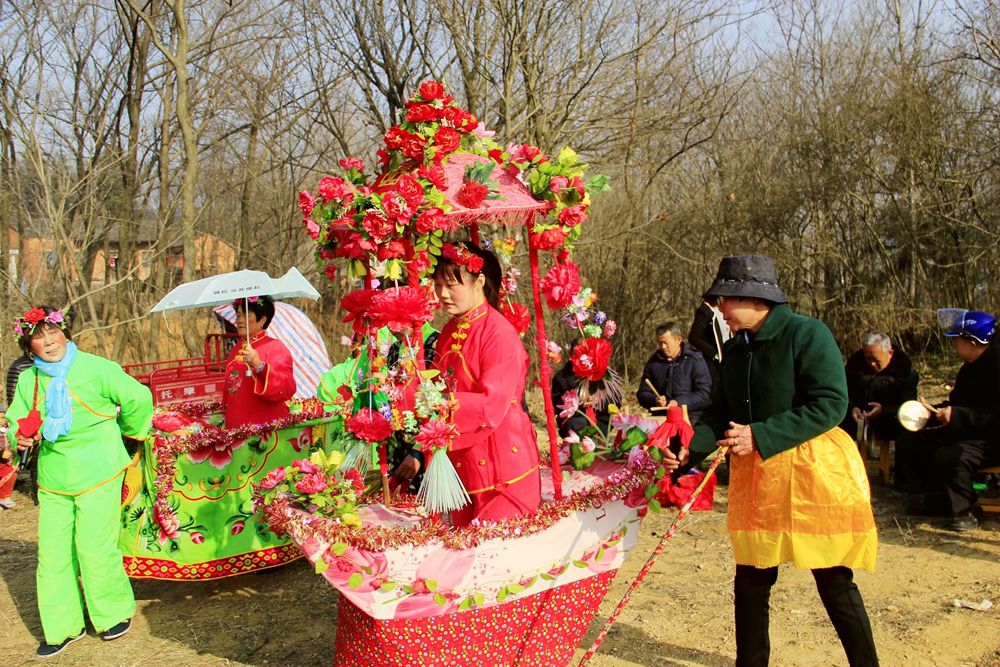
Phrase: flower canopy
(440, 172)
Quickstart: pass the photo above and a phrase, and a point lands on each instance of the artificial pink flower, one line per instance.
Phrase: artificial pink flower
(369, 425)
(306, 202)
(348, 163)
(571, 216)
(331, 187)
(311, 484)
(560, 284)
(570, 404)
(435, 433)
(305, 466)
(272, 479)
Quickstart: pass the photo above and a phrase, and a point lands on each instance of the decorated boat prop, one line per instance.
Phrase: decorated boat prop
(193, 517)
(415, 590)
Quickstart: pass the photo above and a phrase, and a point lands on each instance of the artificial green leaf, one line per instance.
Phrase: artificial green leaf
(598, 183)
(388, 586)
(432, 585)
(466, 604)
(634, 436)
(654, 506)
(515, 588)
(650, 491)
(568, 157)
(440, 600)
(479, 599)
(580, 563)
(502, 595)
(321, 566)
(338, 548)
(355, 580)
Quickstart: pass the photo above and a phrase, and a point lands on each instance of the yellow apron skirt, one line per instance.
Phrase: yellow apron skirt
(809, 505)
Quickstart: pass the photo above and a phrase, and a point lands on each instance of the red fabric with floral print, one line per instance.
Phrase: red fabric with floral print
(538, 630)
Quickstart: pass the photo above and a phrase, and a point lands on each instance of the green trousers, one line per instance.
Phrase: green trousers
(78, 537)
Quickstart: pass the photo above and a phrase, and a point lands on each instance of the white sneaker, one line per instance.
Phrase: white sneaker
(7, 503)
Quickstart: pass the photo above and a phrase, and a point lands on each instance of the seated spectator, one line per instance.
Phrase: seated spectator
(879, 380)
(709, 332)
(964, 432)
(677, 373)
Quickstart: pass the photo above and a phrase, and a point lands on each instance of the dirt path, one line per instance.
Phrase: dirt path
(680, 616)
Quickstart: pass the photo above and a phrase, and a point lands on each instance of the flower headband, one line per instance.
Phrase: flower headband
(32, 317)
(462, 256)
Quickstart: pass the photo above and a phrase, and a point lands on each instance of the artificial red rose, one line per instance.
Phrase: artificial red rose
(577, 183)
(330, 271)
(354, 246)
(306, 202)
(33, 315)
(518, 315)
(571, 216)
(430, 220)
(431, 90)
(435, 174)
(383, 157)
(557, 184)
(310, 484)
(472, 194)
(447, 140)
(305, 466)
(497, 155)
(460, 119)
(413, 146)
(348, 163)
(397, 207)
(590, 358)
(401, 307)
(356, 305)
(550, 239)
(331, 187)
(369, 425)
(377, 225)
(560, 285)
(417, 112)
(525, 153)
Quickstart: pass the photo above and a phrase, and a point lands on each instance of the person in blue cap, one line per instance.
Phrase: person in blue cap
(963, 434)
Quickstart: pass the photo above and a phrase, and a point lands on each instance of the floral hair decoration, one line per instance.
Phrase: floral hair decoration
(463, 257)
(32, 317)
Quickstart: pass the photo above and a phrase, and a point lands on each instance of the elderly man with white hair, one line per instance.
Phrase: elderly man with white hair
(879, 380)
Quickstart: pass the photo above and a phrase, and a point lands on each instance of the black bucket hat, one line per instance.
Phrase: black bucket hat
(747, 276)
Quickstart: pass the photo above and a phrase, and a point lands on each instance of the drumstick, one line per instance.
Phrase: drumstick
(650, 385)
(923, 402)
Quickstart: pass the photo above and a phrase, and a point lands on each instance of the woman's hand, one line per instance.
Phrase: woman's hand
(24, 442)
(739, 439)
(252, 359)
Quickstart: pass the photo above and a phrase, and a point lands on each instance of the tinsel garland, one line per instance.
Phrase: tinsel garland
(168, 448)
(285, 516)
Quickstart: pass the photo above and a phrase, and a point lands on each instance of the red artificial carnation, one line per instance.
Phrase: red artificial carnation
(560, 285)
(590, 358)
(331, 187)
(401, 307)
(348, 163)
(431, 220)
(330, 271)
(357, 305)
(369, 425)
(472, 194)
(435, 433)
(417, 112)
(413, 146)
(306, 202)
(435, 174)
(431, 90)
(394, 138)
(550, 239)
(311, 484)
(311, 227)
(460, 119)
(496, 155)
(411, 189)
(571, 216)
(354, 477)
(352, 245)
(397, 207)
(394, 249)
(419, 264)
(447, 140)
(518, 315)
(377, 225)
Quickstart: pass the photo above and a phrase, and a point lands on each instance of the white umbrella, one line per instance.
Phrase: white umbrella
(227, 287)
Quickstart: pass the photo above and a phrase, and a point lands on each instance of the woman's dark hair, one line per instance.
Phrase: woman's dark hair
(24, 342)
(491, 272)
(263, 308)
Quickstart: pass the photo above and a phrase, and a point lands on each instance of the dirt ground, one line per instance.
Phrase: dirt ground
(681, 615)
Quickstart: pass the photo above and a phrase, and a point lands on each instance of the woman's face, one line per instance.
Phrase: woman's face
(458, 297)
(48, 343)
(247, 323)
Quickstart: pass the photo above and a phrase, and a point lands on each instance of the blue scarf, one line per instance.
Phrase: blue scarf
(58, 403)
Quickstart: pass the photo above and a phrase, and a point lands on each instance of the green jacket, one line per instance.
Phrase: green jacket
(93, 450)
(786, 381)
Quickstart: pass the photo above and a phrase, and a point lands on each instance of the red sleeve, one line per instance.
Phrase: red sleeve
(277, 382)
(503, 370)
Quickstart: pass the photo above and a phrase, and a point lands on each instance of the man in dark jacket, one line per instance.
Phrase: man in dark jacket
(708, 334)
(879, 380)
(566, 381)
(963, 436)
(677, 373)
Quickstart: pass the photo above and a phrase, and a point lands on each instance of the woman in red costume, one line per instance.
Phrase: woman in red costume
(258, 374)
(485, 365)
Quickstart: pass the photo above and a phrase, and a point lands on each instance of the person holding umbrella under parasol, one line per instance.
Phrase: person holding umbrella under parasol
(259, 373)
(798, 488)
